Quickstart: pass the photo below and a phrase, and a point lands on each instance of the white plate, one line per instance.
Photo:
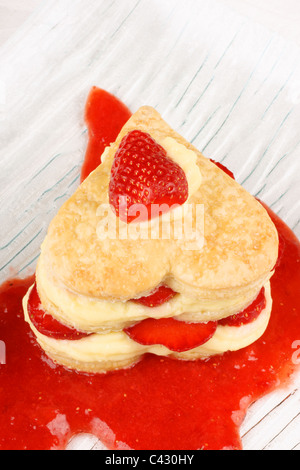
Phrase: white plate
(228, 85)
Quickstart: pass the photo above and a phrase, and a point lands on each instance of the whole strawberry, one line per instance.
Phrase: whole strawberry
(142, 173)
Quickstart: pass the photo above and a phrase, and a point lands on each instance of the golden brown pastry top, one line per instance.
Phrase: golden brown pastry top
(240, 249)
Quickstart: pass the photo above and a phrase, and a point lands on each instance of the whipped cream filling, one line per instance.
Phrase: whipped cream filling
(187, 160)
(117, 346)
(91, 314)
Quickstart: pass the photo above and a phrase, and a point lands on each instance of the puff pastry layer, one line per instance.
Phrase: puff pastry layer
(241, 242)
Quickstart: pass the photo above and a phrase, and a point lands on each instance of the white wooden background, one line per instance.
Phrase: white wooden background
(282, 16)
(47, 67)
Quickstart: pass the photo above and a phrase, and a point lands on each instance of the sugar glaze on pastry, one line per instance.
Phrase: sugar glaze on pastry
(89, 283)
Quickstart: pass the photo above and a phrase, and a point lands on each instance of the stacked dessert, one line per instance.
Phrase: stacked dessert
(115, 279)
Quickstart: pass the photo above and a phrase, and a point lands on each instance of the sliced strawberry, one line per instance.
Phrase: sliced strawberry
(159, 296)
(249, 314)
(143, 174)
(175, 335)
(46, 324)
(223, 168)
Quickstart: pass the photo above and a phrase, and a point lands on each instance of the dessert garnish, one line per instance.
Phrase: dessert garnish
(143, 174)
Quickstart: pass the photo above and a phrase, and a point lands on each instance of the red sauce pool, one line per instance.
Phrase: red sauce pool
(158, 404)
(105, 116)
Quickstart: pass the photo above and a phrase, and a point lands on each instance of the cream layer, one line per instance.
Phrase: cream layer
(91, 314)
(118, 348)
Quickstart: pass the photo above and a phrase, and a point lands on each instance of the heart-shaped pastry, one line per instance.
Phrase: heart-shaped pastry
(106, 266)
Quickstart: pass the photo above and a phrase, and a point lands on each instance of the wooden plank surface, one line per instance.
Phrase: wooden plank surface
(280, 16)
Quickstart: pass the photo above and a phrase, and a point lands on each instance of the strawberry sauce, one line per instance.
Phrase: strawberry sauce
(105, 116)
(159, 403)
